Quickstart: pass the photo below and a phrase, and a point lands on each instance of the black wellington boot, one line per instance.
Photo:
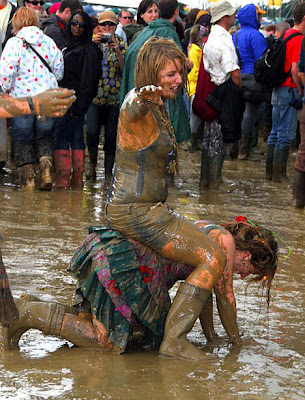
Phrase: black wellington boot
(298, 189)
(280, 157)
(205, 172)
(269, 162)
(215, 168)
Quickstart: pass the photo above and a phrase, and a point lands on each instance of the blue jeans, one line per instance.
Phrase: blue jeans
(284, 118)
(31, 139)
(98, 116)
(68, 133)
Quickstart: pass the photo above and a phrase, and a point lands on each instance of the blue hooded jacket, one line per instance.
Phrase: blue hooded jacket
(251, 43)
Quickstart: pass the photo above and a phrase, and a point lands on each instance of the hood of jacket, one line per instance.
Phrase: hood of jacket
(158, 23)
(31, 34)
(49, 21)
(247, 16)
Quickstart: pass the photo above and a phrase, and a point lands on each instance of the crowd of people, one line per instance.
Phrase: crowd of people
(139, 82)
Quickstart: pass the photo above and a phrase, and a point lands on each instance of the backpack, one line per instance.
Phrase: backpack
(269, 68)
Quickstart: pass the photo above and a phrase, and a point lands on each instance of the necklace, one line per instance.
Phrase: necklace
(173, 163)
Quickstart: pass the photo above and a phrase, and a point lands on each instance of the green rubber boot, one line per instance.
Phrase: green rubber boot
(181, 318)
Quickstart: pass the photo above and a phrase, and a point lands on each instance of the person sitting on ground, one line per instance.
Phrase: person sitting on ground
(122, 296)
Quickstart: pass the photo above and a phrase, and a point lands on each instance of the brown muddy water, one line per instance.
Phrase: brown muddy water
(42, 230)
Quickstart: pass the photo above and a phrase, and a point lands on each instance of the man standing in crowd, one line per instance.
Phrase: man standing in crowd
(125, 17)
(220, 61)
(162, 27)
(55, 25)
(284, 98)
(250, 45)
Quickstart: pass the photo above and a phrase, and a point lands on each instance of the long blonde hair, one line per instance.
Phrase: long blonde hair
(152, 59)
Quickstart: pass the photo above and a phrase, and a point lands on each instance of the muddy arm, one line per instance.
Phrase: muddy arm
(206, 320)
(51, 103)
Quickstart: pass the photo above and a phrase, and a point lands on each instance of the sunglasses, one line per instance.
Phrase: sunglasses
(80, 24)
(35, 3)
(109, 23)
(126, 17)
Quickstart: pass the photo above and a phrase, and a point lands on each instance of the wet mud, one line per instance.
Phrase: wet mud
(41, 231)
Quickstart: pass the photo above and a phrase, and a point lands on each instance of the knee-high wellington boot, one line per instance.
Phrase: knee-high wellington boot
(91, 170)
(204, 172)
(49, 318)
(181, 318)
(78, 162)
(269, 162)
(280, 157)
(298, 189)
(62, 168)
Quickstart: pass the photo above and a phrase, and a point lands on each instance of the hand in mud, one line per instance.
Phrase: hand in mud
(242, 341)
(151, 93)
(53, 102)
(248, 341)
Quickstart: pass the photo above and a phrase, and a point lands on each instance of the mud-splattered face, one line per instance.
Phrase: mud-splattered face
(170, 78)
(242, 264)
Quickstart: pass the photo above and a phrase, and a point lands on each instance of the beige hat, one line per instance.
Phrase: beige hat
(107, 16)
(220, 9)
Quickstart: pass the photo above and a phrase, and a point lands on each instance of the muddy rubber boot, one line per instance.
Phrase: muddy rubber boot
(46, 317)
(45, 163)
(108, 165)
(78, 161)
(280, 157)
(204, 172)
(28, 176)
(298, 189)
(269, 162)
(32, 297)
(181, 318)
(215, 168)
(91, 169)
(192, 142)
(62, 168)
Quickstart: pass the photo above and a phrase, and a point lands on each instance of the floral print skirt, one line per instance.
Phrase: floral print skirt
(125, 283)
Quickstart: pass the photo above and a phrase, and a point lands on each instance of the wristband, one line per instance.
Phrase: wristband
(31, 105)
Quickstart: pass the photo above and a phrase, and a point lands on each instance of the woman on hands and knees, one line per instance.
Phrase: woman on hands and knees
(117, 308)
(250, 250)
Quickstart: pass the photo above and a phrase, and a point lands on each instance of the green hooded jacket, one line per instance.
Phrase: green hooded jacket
(177, 109)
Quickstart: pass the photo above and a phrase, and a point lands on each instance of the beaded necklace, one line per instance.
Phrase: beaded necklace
(173, 165)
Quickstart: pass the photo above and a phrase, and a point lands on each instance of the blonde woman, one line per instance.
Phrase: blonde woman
(30, 64)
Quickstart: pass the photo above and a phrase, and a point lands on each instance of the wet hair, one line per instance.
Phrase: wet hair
(298, 13)
(87, 35)
(152, 59)
(24, 17)
(262, 246)
(143, 7)
(167, 8)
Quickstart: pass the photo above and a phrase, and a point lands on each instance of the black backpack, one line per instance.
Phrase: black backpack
(269, 68)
